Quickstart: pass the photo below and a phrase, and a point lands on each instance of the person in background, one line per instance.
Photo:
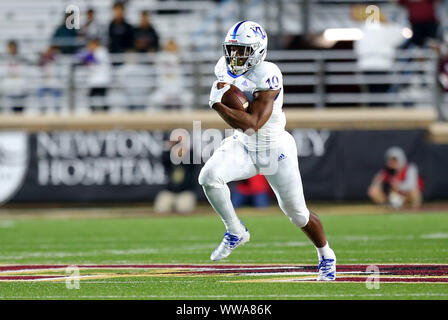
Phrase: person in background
(134, 79)
(398, 183)
(96, 58)
(92, 28)
(146, 37)
(171, 91)
(178, 195)
(65, 39)
(50, 79)
(442, 52)
(375, 51)
(443, 66)
(423, 20)
(254, 191)
(121, 33)
(13, 74)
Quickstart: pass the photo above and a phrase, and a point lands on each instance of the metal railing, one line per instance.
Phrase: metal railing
(147, 82)
(332, 78)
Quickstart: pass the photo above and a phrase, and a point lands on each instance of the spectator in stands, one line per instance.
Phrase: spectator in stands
(121, 33)
(422, 16)
(171, 91)
(96, 58)
(442, 51)
(146, 37)
(443, 66)
(254, 191)
(134, 79)
(375, 51)
(50, 71)
(92, 28)
(65, 39)
(398, 183)
(13, 74)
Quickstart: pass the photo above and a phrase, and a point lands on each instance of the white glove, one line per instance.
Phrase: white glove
(216, 94)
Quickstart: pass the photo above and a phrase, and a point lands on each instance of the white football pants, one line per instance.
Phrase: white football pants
(233, 162)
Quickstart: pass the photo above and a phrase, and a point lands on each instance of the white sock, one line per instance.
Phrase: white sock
(219, 198)
(325, 251)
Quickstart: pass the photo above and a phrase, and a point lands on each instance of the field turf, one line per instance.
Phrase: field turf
(397, 238)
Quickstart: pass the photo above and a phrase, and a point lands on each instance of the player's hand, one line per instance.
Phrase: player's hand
(216, 94)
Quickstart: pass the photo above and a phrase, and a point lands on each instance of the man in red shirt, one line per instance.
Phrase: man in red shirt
(398, 183)
(423, 20)
(254, 191)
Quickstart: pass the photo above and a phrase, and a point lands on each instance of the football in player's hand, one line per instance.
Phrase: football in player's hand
(234, 98)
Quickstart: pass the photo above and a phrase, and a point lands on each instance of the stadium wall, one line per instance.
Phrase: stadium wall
(71, 163)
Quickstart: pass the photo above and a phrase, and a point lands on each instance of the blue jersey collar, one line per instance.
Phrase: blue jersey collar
(233, 75)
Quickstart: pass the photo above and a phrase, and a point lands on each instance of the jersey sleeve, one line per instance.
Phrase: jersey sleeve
(267, 76)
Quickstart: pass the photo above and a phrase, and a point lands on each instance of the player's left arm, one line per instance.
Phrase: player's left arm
(269, 82)
(256, 114)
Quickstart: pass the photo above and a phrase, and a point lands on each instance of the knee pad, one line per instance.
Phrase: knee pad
(300, 218)
(209, 177)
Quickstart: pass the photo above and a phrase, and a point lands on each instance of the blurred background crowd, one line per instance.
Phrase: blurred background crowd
(153, 55)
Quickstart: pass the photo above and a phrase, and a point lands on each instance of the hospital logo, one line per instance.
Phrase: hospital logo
(13, 163)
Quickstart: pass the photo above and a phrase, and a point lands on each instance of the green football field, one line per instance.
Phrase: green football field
(167, 257)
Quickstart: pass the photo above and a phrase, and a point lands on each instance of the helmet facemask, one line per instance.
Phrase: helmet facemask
(239, 57)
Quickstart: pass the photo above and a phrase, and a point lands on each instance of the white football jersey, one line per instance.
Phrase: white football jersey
(264, 76)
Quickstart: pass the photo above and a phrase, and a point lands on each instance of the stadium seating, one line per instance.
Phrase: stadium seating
(312, 79)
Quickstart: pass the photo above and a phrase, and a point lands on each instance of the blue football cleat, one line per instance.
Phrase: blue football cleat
(228, 244)
(327, 268)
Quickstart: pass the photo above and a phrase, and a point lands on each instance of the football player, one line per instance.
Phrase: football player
(259, 145)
